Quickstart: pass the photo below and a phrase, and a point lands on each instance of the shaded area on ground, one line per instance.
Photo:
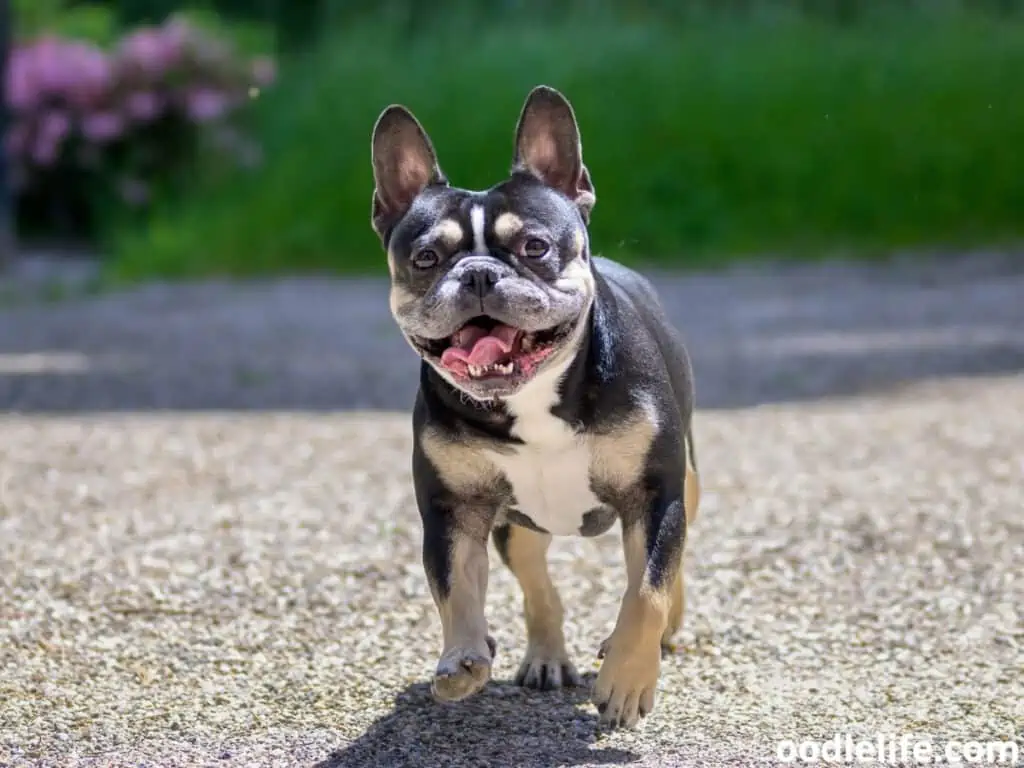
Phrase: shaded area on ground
(757, 335)
(553, 726)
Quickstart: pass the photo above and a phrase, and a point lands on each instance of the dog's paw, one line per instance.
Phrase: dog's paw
(461, 672)
(547, 671)
(625, 687)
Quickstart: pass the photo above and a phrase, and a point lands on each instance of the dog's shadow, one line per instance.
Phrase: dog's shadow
(502, 725)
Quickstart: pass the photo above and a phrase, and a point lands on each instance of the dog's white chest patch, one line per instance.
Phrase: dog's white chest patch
(550, 474)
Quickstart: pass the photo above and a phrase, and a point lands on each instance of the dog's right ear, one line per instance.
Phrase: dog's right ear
(404, 164)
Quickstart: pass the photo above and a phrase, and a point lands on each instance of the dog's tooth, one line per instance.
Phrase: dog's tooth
(505, 369)
(527, 342)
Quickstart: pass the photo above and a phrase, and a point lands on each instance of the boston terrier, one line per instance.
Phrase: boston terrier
(555, 398)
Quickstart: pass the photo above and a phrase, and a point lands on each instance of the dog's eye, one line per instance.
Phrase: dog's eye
(535, 248)
(425, 259)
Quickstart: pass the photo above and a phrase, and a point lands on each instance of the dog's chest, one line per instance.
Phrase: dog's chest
(550, 474)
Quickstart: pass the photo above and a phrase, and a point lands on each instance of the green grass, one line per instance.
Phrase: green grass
(706, 142)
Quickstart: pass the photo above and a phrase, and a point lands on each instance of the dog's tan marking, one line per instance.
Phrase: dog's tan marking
(546, 663)
(618, 457)
(401, 301)
(691, 504)
(676, 609)
(465, 663)
(392, 269)
(461, 464)
(577, 276)
(578, 241)
(400, 298)
(448, 232)
(507, 226)
(625, 686)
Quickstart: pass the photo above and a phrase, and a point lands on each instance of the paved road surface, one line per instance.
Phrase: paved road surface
(209, 553)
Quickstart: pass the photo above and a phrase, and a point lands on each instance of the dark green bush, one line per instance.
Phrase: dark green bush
(87, 23)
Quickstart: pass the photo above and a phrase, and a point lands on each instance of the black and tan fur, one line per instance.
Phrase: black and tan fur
(600, 433)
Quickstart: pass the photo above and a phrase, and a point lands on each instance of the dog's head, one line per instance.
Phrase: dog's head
(490, 287)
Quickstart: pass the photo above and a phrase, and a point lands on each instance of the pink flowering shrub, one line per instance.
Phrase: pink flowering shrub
(91, 127)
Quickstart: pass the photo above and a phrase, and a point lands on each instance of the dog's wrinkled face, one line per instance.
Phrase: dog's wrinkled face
(488, 287)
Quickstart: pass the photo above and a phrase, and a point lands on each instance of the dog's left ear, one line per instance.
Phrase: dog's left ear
(404, 164)
(548, 146)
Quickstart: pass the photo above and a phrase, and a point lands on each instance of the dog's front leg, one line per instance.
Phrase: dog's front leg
(653, 543)
(455, 560)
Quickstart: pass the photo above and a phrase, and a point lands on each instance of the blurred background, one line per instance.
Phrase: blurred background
(231, 137)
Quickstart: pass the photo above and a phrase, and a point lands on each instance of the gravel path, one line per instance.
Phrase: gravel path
(209, 551)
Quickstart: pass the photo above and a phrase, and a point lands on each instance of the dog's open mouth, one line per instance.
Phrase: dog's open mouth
(486, 349)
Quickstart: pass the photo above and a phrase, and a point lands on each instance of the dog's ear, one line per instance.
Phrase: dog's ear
(404, 164)
(548, 146)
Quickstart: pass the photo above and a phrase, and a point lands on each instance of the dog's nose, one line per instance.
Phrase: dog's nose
(479, 280)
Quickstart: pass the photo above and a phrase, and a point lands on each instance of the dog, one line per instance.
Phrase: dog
(555, 398)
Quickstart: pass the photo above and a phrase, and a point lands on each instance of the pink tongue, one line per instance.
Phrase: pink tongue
(474, 346)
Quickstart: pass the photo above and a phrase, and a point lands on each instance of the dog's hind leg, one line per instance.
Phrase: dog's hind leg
(691, 501)
(675, 612)
(546, 664)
